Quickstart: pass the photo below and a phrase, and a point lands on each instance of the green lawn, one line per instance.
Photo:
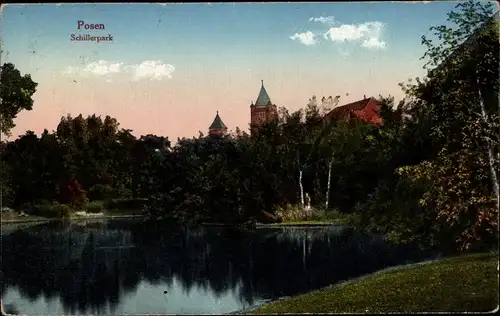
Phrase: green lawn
(9, 217)
(14, 218)
(330, 218)
(458, 284)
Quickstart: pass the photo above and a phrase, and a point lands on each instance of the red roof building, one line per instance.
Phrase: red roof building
(366, 111)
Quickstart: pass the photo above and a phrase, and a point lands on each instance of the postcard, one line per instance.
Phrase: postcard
(220, 158)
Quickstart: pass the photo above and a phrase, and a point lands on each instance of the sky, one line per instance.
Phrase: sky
(169, 68)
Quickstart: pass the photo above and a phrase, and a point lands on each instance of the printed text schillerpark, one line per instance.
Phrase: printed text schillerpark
(87, 37)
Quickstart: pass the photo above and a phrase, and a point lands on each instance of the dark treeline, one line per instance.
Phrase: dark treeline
(430, 177)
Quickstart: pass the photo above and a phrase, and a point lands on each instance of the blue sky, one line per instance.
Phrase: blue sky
(183, 30)
(211, 57)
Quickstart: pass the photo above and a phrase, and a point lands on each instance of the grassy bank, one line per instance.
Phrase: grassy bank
(16, 219)
(310, 223)
(458, 284)
(46, 210)
(34, 219)
(295, 215)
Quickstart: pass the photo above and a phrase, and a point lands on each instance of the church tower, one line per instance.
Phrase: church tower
(263, 111)
(218, 128)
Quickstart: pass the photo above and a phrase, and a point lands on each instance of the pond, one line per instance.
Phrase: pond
(131, 267)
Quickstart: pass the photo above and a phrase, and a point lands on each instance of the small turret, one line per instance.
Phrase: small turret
(218, 128)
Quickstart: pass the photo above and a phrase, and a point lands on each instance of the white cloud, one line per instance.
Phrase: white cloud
(345, 32)
(152, 69)
(373, 42)
(149, 69)
(369, 33)
(306, 38)
(103, 67)
(323, 19)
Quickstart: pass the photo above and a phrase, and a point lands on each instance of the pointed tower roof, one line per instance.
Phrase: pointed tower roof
(217, 123)
(263, 98)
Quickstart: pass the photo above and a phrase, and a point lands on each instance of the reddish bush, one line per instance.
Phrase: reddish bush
(73, 193)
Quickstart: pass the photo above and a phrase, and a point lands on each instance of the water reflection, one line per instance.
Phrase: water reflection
(125, 266)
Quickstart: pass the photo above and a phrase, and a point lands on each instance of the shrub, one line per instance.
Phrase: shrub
(318, 214)
(6, 192)
(26, 208)
(73, 194)
(62, 210)
(269, 218)
(293, 213)
(460, 192)
(36, 208)
(126, 204)
(394, 210)
(95, 207)
(49, 209)
(102, 192)
(123, 193)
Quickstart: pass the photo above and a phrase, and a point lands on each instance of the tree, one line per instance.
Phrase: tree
(308, 133)
(460, 100)
(299, 141)
(16, 93)
(339, 138)
(468, 57)
(315, 109)
(6, 192)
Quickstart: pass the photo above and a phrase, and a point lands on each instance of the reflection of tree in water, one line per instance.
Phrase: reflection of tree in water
(89, 268)
(74, 264)
(195, 258)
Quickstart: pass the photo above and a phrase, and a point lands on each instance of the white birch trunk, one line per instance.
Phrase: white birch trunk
(491, 159)
(301, 189)
(329, 183)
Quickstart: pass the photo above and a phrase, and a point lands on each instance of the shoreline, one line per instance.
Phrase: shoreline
(343, 283)
(435, 270)
(304, 224)
(80, 218)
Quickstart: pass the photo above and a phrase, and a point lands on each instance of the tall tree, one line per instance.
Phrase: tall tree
(460, 99)
(16, 93)
(338, 138)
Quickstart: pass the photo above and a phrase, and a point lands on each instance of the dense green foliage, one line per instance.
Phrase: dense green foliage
(429, 178)
(468, 283)
(15, 94)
